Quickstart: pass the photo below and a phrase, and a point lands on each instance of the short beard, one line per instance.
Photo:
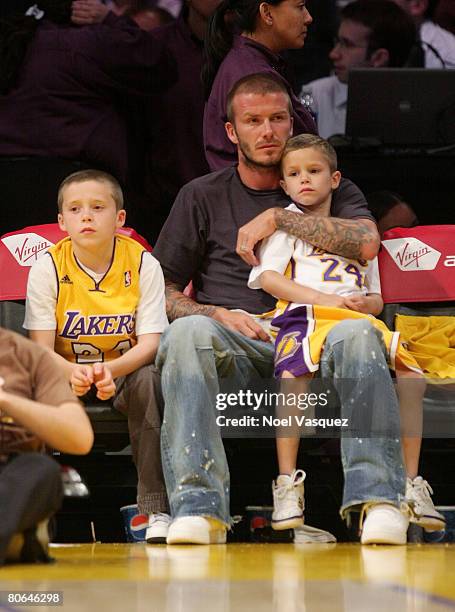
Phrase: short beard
(252, 163)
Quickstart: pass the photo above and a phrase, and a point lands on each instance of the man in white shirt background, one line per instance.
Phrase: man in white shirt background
(438, 44)
(372, 33)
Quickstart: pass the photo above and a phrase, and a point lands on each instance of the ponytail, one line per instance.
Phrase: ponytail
(217, 44)
(219, 36)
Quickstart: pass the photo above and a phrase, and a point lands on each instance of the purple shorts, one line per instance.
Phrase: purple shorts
(293, 327)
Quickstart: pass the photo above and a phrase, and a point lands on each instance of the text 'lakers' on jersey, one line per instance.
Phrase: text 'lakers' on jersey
(96, 319)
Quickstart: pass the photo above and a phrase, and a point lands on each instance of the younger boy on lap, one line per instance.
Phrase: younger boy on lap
(315, 291)
(97, 299)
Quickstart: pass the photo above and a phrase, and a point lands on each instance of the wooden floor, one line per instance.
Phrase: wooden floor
(241, 577)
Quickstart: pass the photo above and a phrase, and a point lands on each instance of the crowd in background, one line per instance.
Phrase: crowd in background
(117, 85)
(158, 93)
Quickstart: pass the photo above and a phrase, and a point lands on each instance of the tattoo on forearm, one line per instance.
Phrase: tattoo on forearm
(340, 236)
(179, 305)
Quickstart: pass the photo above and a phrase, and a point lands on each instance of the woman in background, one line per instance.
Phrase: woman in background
(246, 37)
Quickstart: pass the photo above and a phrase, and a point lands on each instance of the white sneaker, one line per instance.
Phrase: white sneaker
(424, 514)
(288, 503)
(196, 530)
(384, 524)
(158, 527)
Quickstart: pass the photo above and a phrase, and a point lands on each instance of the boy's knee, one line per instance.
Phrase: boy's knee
(139, 395)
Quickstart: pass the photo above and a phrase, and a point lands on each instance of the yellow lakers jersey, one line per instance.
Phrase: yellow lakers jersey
(96, 320)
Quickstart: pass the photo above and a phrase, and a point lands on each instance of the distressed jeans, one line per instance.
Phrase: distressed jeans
(354, 358)
(196, 351)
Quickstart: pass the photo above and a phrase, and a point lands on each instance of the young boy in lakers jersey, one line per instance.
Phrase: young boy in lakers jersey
(315, 291)
(97, 299)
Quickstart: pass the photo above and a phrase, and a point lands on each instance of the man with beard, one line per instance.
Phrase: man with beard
(210, 338)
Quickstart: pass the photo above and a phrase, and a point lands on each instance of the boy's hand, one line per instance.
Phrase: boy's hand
(102, 377)
(330, 299)
(359, 303)
(81, 379)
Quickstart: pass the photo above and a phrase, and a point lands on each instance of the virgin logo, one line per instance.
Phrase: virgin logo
(26, 248)
(407, 257)
(412, 254)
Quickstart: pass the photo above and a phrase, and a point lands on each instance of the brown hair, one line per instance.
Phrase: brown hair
(307, 141)
(92, 175)
(257, 83)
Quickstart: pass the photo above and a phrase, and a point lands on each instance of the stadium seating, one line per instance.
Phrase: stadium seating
(417, 270)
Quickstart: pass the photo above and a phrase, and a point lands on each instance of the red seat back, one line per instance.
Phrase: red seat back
(418, 264)
(20, 249)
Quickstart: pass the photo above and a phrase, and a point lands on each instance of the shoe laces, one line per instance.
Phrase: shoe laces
(158, 517)
(422, 487)
(296, 478)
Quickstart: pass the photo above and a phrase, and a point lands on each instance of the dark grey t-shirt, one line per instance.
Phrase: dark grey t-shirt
(199, 237)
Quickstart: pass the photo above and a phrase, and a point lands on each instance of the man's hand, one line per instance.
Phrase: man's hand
(87, 12)
(250, 234)
(81, 379)
(242, 323)
(102, 377)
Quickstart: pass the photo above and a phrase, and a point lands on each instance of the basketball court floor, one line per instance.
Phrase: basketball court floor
(242, 577)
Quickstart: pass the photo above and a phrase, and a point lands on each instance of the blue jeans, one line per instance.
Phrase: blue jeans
(354, 359)
(195, 351)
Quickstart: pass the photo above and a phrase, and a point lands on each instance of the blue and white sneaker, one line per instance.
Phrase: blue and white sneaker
(288, 501)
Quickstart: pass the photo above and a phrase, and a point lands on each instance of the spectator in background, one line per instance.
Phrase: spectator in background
(390, 210)
(313, 62)
(444, 15)
(174, 148)
(173, 7)
(149, 17)
(62, 93)
(266, 29)
(148, 14)
(372, 34)
(438, 45)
